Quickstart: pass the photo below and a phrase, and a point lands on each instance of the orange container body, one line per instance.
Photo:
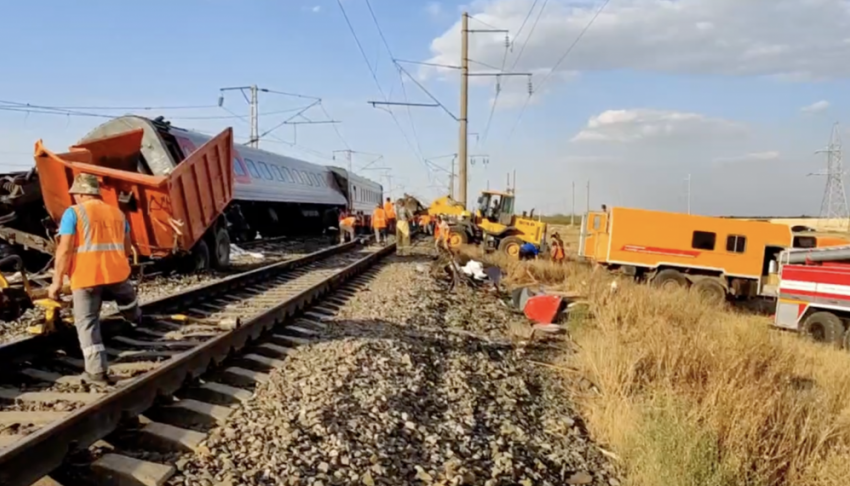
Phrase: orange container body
(650, 239)
(167, 214)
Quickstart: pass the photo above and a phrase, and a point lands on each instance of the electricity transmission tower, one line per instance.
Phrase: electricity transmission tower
(834, 204)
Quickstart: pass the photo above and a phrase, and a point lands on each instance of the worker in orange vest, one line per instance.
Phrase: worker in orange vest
(94, 243)
(379, 224)
(389, 211)
(346, 226)
(558, 253)
(425, 224)
(441, 233)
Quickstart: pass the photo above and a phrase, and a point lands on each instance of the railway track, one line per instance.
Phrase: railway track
(47, 411)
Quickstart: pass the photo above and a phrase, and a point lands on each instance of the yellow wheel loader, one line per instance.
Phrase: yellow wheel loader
(493, 225)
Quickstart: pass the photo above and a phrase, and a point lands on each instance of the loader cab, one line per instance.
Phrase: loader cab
(496, 207)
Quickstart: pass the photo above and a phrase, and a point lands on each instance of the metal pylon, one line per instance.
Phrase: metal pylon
(834, 204)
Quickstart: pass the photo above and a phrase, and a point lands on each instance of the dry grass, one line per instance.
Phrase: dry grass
(690, 394)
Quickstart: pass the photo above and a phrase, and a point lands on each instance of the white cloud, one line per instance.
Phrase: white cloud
(635, 125)
(317, 9)
(816, 107)
(434, 9)
(751, 157)
(728, 37)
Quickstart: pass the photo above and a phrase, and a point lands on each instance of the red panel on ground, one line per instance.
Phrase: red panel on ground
(542, 308)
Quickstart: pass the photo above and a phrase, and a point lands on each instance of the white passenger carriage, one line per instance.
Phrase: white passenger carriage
(273, 194)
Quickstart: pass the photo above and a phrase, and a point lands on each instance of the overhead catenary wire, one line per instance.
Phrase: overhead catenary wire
(557, 64)
(375, 78)
(516, 60)
(403, 89)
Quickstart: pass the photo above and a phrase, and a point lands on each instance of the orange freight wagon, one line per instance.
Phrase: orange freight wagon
(717, 256)
(175, 214)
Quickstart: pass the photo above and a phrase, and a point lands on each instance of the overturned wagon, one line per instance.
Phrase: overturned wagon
(180, 213)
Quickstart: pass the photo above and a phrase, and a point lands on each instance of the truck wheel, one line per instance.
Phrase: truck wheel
(824, 327)
(711, 290)
(457, 238)
(510, 246)
(221, 249)
(670, 279)
(199, 258)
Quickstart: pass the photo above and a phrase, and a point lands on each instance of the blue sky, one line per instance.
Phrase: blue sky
(737, 94)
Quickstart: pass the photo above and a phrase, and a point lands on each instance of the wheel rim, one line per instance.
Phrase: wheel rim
(670, 285)
(512, 250)
(454, 240)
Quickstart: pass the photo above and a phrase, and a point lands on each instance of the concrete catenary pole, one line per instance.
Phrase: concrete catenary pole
(255, 118)
(464, 93)
(573, 211)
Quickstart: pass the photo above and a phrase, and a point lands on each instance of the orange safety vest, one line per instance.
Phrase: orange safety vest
(389, 209)
(379, 219)
(558, 254)
(99, 255)
(423, 220)
(349, 221)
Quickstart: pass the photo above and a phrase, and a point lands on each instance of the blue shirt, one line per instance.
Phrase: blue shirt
(529, 248)
(68, 223)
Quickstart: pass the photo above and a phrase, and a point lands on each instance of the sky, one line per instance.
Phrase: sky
(631, 96)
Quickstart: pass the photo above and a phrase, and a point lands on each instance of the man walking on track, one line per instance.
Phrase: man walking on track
(94, 241)
(402, 233)
(389, 212)
(379, 224)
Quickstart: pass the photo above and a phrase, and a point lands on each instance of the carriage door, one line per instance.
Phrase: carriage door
(596, 236)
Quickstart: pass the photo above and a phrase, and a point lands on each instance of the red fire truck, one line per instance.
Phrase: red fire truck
(814, 293)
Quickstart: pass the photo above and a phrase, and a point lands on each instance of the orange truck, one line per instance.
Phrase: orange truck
(169, 215)
(718, 257)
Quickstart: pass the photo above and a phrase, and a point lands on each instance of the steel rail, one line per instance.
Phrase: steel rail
(36, 455)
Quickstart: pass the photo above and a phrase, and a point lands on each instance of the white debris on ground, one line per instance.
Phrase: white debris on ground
(400, 391)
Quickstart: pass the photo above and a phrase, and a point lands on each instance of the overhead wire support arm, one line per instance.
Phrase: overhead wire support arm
(422, 63)
(402, 103)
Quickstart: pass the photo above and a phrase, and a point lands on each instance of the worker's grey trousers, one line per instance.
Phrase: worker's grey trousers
(343, 230)
(87, 304)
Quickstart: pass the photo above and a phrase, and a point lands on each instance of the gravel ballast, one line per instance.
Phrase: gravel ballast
(388, 396)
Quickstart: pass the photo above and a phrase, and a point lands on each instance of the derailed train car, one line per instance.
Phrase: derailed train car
(273, 195)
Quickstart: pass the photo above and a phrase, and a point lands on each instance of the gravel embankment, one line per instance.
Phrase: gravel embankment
(158, 286)
(389, 397)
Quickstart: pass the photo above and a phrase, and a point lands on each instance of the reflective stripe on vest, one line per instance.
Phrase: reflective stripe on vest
(99, 256)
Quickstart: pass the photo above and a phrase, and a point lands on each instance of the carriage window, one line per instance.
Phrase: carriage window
(313, 178)
(287, 175)
(355, 193)
(736, 243)
(703, 240)
(297, 177)
(305, 178)
(264, 169)
(252, 169)
(237, 167)
(276, 171)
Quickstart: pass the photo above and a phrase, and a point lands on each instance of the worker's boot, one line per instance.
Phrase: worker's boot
(98, 378)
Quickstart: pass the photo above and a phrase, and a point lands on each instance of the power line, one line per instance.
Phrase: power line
(531, 32)
(375, 77)
(551, 71)
(575, 42)
(109, 108)
(516, 60)
(403, 89)
(336, 129)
